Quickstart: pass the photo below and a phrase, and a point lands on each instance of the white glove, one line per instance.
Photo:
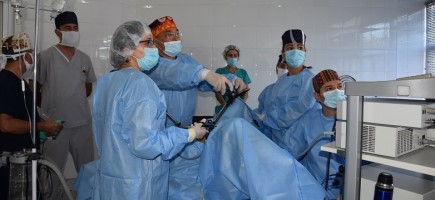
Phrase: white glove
(196, 131)
(239, 84)
(216, 80)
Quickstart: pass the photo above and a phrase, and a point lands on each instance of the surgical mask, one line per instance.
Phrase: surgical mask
(29, 67)
(173, 48)
(331, 97)
(232, 62)
(281, 72)
(150, 59)
(70, 38)
(295, 57)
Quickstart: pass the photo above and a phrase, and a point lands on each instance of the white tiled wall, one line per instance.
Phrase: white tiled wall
(367, 39)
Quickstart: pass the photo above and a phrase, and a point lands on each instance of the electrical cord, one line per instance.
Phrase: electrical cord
(28, 113)
(315, 140)
(328, 163)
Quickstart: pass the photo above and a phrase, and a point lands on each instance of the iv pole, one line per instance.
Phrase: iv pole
(35, 61)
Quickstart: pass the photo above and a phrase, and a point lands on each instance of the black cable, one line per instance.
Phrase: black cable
(328, 163)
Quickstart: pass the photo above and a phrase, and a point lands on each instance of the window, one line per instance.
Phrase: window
(430, 36)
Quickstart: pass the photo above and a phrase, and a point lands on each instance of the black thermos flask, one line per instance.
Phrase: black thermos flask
(384, 187)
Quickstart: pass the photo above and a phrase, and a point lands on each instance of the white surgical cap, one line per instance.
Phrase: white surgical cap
(228, 48)
(125, 39)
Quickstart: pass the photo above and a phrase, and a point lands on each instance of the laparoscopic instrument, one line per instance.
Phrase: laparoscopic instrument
(210, 123)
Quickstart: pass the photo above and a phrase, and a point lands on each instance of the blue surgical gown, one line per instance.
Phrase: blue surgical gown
(290, 97)
(180, 80)
(301, 134)
(239, 162)
(262, 98)
(128, 113)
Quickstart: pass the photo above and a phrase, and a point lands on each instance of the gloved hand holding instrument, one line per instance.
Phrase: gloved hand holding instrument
(197, 128)
(210, 124)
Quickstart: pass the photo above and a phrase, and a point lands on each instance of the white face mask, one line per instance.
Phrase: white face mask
(70, 38)
(281, 72)
(29, 67)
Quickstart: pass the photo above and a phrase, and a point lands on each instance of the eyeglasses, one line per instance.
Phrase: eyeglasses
(148, 43)
(162, 19)
(172, 35)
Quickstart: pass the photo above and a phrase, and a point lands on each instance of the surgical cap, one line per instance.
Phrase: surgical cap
(13, 46)
(293, 36)
(66, 17)
(228, 48)
(324, 77)
(162, 24)
(125, 39)
(16, 44)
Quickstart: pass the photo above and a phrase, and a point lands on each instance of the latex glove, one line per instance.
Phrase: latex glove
(239, 84)
(196, 131)
(218, 81)
(261, 116)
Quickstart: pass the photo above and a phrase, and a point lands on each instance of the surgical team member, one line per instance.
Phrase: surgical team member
(231, 54)
(292, 94)
(179, 76)
(327, 90)
(128, 113)
(16, 104)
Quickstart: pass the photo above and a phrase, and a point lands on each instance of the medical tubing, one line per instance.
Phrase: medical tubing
(59, 174)
(328, 165)
(251, 113)
(301, 155)
(176, 123)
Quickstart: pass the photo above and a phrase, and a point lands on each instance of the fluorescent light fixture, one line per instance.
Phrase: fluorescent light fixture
(58, 4)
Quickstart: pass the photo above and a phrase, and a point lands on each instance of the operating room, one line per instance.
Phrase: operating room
(371, 42)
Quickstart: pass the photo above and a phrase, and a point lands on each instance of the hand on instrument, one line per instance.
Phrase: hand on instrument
(199, 130)
(218, 81)
(240, 85)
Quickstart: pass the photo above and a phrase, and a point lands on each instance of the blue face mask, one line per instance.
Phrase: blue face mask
(150, 59)
(295, 57)
(331, 97)
(173, 48)
(232, 62)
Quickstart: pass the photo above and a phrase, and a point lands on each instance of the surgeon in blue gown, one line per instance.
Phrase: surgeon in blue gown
(180, 77)
(239, 162)
(128, 113)
(292, 94)
(310, 129)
